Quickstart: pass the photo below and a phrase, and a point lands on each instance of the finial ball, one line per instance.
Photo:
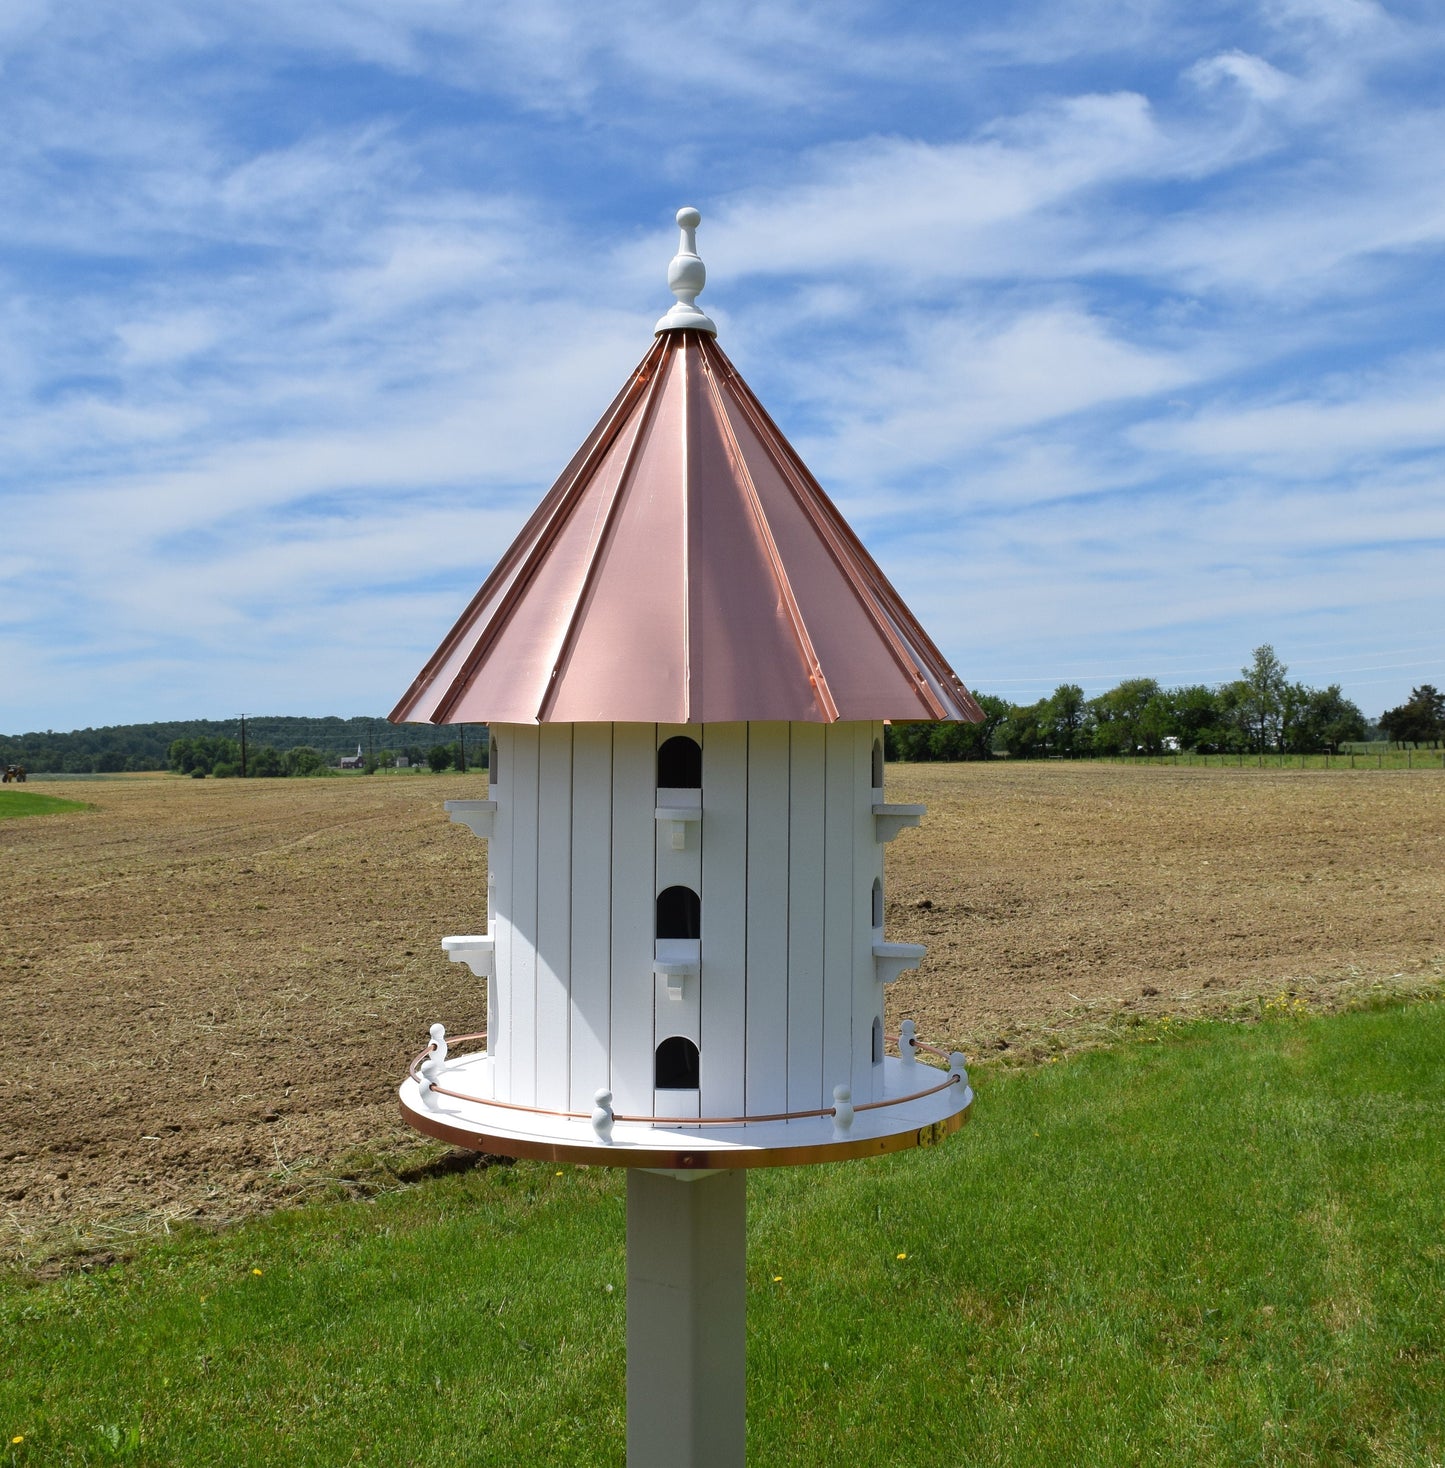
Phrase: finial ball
(688, 218)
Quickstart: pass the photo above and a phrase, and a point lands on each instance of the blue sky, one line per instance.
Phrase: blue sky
(1115, 329)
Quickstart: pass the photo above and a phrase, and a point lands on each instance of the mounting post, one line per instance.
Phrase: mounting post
(686, 1319)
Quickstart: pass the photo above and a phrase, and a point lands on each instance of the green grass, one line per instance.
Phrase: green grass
(1223, 1245)
(15, 803)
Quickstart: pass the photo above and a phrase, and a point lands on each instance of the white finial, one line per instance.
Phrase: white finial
(602, 1117)
(907, 1041)
(842, 1112)
(686, 276)
(439, 1043)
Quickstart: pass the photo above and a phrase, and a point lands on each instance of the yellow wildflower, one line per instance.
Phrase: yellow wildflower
(256, 1271)
(900, 1256)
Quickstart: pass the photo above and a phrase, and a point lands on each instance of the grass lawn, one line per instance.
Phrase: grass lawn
(1222, 1244)
(15, 802)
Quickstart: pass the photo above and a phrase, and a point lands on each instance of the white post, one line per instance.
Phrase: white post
(686, 1319)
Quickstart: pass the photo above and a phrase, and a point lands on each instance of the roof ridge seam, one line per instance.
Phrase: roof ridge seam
(823, 694)
(844, 532)
(604, 538)
(686, 557)
(816, 512)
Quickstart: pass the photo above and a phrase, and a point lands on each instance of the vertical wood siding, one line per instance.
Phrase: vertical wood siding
(724, 918)
(554, 913)
(591, 1034)
(524, 748)
(766, 1080)
(806, 855)
(499, 877)
(784, 861)
(634, 838)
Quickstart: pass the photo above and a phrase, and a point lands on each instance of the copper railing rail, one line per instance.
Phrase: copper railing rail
(414, 1072)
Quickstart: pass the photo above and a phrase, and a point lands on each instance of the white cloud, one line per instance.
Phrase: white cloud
(1342, 18)
(169, 338)
(920, 210)
(1305, 437)
(1261, 81)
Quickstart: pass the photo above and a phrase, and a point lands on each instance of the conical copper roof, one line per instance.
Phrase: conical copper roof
(686, 569)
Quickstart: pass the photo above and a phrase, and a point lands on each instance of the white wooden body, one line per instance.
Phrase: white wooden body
(780, 989)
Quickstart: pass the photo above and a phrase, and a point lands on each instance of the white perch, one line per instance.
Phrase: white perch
(477, 951)
(889, 820)
(892, 959)
(678, 819)
(478, 816)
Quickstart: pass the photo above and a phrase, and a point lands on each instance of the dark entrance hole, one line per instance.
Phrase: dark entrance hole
(679, 763)
(679, 913)
(677, 1065)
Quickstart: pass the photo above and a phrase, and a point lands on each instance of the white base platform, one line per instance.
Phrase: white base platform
(483, 1127)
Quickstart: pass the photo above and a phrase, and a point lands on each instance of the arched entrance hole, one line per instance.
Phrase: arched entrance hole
(679, 764)
(679, 913)
(677, 1067)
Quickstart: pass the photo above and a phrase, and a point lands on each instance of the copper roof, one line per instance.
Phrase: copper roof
(686, 568)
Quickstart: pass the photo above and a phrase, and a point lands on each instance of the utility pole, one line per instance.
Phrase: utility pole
(462, 749)
(243, 746)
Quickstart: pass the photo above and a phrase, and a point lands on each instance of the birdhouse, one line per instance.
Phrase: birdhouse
(686, 660)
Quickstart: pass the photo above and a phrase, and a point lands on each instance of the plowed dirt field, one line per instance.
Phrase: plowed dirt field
(209, 990)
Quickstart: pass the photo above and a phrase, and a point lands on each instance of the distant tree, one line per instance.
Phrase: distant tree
(909, 742)
(225, 770)
(1262, 707)
(1419, 720)
(947, 741)
(1118, 715)
(1068, 712)
(200, 756)
(265, 762)
(1198, 722)
(1156, 723)
(962, 741)
(303, 760)
(439, 757)
(1027, 729)
(1327, 720)
(1231, 698)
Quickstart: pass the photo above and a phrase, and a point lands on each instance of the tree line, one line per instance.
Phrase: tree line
(1261, 711)
(227, 759)
(120, 747)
